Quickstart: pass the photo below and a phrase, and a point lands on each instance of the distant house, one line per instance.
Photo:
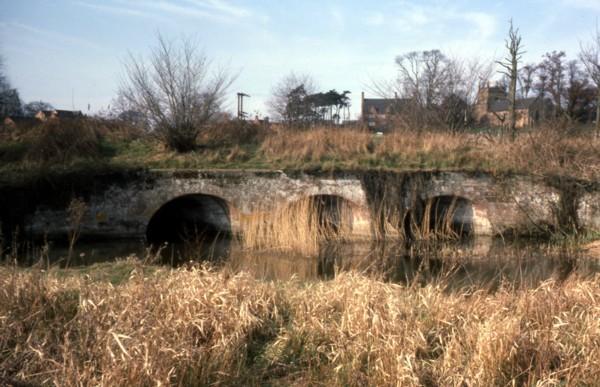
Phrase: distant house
(377, 112)
(492, 108)
(44, 115)
(24, 122)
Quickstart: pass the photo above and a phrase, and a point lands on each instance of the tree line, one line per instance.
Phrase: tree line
(435, 90)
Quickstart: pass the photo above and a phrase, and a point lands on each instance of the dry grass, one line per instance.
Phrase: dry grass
(297, 226)
(546, 150)
(551, 149)
(198, 327)
(317, 144)
(61, 142)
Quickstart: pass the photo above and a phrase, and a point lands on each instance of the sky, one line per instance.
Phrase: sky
(71, 52)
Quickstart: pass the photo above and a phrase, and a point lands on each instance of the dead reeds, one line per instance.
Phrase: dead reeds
(300, 225)
(549, 149)
(196, 326)
(76, 211)
(438, 221)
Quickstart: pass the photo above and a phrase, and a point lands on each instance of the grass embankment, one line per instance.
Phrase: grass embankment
(85, 144)
(197, 326)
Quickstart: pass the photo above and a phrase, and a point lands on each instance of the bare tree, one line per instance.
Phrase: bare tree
(541, 86)
(590, 56)
(526, 75)
(476, 72)
(579, 96)
(10, 102)
(175, 90)
(4, 84)
(461, 90)
(511, 69)
(435, 90)
(555, 69)
(278, 102)
(30, 109)
(422, 76)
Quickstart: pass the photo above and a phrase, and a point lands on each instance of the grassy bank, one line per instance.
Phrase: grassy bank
(545, 150)
(155, 326)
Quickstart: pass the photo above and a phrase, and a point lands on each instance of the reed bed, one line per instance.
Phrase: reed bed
(303, 225)
(298, 226)
(437, 221)
(198, 326)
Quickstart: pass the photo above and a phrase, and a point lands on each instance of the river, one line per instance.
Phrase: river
(480, 263)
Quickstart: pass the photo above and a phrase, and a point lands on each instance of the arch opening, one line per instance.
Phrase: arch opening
(442, 217)
(192, 226)
(331, 214)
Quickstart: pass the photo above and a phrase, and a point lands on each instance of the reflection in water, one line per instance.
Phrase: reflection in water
(479, 263)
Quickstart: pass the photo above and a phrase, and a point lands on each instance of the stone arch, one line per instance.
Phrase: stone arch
(189, 217)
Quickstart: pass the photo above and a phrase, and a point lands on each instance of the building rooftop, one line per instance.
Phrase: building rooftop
(500, 105)
(382, 105)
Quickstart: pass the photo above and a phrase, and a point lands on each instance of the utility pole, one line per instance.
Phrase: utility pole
(240, 105)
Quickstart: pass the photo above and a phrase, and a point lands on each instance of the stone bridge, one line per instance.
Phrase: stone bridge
(485, 204)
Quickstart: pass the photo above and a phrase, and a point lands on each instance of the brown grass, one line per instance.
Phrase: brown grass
(317, 144)
(297, 226)
(545, 150)
(63, 141)
(551, 149)
(199, 327)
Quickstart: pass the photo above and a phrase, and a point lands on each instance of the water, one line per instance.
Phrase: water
(479, 263)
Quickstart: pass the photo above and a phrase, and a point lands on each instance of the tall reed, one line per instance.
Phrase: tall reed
(76, 211)
(299, 225)
(437, 221)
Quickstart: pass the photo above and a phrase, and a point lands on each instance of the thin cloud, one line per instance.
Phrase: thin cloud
(416, 17)
(223, 7)
(486, 24)
(583, 4)
(52, 37)
(116, 9)
(217, 10)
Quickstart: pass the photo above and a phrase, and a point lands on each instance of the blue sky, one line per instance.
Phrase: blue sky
(73, 50)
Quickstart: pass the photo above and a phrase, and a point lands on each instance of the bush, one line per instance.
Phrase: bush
(61, 141)
(233, 132)
(116, 130)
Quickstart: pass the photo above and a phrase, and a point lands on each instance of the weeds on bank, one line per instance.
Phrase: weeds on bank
(198, 326)
(550, 149)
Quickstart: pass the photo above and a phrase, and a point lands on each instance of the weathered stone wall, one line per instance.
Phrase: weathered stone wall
(499, 204)
(588, 211)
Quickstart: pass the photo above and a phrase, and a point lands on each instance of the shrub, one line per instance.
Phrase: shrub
(61, 141)
(233, 132)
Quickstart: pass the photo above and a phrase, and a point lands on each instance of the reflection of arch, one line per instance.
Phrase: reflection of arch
(449, 215)
(190, 218)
